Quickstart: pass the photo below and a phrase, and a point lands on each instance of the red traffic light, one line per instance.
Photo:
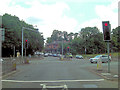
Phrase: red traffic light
(106, 24)
(25, 40)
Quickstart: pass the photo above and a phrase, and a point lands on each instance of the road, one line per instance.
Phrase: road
(52, 72)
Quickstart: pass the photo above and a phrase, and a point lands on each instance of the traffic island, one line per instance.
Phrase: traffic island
(104, 74)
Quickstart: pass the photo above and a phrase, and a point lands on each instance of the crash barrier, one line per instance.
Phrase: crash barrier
(9, 64)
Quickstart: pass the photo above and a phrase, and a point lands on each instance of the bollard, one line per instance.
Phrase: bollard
(99, 64)
(26, 61)
(14, 66)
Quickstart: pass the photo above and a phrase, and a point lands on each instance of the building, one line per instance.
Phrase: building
(54, 47)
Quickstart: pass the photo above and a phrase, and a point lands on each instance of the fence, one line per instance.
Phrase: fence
(9, 64)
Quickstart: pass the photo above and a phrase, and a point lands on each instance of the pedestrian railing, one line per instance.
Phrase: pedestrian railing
(9, 64)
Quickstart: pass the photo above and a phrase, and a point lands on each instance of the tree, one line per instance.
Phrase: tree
(115, 38)
(13, 37)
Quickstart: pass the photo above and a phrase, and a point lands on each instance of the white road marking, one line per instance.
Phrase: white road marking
(43, 81)
(44, 86)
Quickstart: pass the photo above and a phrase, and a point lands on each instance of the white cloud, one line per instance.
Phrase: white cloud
(52, 15)
(92, 23)
(104, 13)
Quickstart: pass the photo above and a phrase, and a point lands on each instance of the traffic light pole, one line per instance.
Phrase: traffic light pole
(22, 41)
(106, 33)
(23, 35)
(0, 56)
(0, 44)
(108, 50)
(25, 52)
(62, 47)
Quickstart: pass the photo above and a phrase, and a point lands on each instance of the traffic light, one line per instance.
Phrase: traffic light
(26, 43)
(68, 49)
(106, 30)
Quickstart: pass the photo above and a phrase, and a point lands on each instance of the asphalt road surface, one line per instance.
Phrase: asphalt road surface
(51, 72)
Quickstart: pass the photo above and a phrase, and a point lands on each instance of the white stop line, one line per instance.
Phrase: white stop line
(45, 81)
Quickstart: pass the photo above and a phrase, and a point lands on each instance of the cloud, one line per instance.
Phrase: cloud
(50, 16)
(47, 17)
(104, 13)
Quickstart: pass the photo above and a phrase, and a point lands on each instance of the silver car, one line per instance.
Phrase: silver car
(104, 58)
(79, 56)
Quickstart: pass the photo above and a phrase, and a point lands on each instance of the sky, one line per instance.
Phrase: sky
(63, 15)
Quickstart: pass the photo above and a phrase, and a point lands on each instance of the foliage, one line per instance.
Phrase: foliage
(13, 34)
(89, 37)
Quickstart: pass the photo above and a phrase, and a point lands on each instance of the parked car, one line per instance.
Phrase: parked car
(54, 55)
(104, 58)
(46, 55)
(59, 55)
(50, 54)
(79, 56)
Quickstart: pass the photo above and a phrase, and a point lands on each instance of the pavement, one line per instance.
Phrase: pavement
(103, 72)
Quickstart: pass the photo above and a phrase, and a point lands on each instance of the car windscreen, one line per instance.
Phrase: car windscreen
(97, 56)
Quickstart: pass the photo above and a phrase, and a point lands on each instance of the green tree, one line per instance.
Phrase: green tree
(13, 36)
